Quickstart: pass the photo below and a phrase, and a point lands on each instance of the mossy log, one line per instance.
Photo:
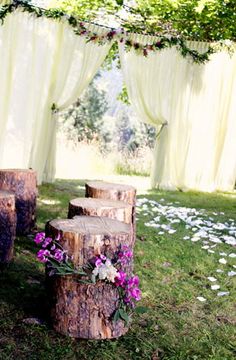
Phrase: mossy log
(86, 310)
(23, 183)
(7, 226)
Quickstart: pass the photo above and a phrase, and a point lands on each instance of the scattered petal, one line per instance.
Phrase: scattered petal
(215, 287)
(222, 261)
(223, 293)
(231, 273)
(201, 298)
(211, 278)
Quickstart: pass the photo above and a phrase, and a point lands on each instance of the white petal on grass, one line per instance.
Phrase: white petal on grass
(211, 278)
(223, 293)
(215, 287)
(232, 255)
(231, 273)
(205, 247)
(223, 261)
(186, 237)
(171, 231)
(219, 271)
(211, 251)
(201, 298)
(223, 254)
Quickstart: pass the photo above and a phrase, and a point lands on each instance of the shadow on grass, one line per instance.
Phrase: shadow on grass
(24, 288)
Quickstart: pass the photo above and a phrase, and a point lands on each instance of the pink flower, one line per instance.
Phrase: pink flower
(135, 293)
(120, 279)
(43, 255)
(46, 242)
(98, 262)
(39, 238)
(133, 281)
(103, 257)
(58, 237)
(58, 255)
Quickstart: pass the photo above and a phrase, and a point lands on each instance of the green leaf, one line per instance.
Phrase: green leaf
(141, 309)
(124, 316)
(116, 316)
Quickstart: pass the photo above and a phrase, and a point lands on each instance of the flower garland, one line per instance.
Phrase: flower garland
(100, 268)
(119, 35)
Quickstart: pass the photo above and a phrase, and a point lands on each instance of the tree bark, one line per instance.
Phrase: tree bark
(105, 190)
(7, 226)
(86, 310)
(23, 183)
(118, 210)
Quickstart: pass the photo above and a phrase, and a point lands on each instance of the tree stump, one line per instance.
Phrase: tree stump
(105, 190)
(7, 226)
(85, 310)
(118, 210)
(23, 183)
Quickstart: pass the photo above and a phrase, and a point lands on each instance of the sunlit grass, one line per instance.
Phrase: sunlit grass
(173, 273)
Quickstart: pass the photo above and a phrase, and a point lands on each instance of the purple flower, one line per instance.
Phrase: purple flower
(134, 293)
(120, 279)
(103, 257)
(43, 255)
(58, 255)
(98, 262)
(46, 242)
(39, 238)
(133, 281)
(58, 237)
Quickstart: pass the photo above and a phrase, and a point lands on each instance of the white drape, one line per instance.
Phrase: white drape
(42, 62)
(197, 148)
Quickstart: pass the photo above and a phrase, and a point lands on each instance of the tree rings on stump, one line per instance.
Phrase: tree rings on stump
(105, 190)
(87, 236)
(23, 183)
(7, 226)
(118, 210)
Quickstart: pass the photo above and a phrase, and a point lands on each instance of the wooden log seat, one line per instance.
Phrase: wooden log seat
(118, 192)
(85, 310)
(118, 210)
(7, 226)
(23, 183)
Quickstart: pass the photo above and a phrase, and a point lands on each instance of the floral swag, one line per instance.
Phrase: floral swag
(99, 268)
(119, 35)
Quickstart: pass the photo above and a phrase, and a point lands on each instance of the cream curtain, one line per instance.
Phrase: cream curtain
(197, 148)
(42, 62)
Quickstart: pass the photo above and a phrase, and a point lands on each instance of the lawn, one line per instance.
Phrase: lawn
(186, 317)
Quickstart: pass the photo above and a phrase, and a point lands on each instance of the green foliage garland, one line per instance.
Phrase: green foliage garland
(119, 35)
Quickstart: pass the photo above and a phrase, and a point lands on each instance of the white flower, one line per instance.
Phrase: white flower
(106, 271)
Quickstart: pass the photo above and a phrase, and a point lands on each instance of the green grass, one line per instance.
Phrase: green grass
(173, 273)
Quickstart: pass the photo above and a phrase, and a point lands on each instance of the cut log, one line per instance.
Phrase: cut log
(87, 236)
(23, 183)
(118, 210)
(105, 190)
(7, 226)
(86, 310)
